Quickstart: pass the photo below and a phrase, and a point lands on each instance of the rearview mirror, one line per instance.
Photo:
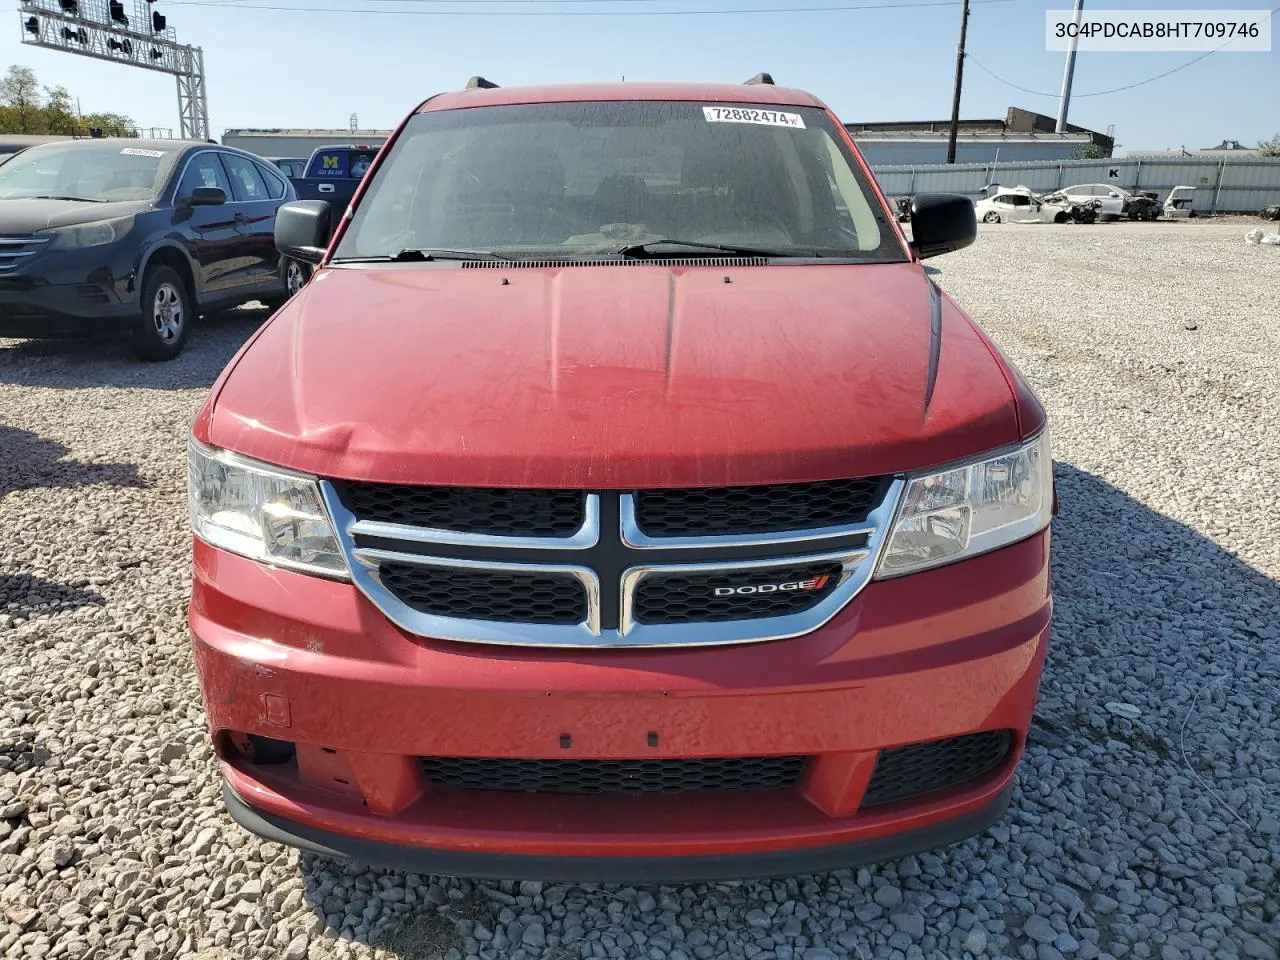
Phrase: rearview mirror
(207, 197)
(302, 230)
(941, 223)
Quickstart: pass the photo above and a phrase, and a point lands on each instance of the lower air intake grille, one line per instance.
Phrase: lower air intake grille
(722, 511)
(692, 598)
(614, 776)
(487, 594)
(904, 773)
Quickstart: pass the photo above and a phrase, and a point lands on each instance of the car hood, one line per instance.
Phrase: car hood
(28, 216)
(614, 377)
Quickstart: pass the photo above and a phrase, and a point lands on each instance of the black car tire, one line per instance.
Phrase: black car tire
(991, 217)
(164, 315)
(294, 275)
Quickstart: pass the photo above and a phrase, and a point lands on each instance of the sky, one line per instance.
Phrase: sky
(313, 66)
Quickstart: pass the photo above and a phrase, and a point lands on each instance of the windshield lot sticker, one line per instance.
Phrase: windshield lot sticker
(136, 152)
(769, 118)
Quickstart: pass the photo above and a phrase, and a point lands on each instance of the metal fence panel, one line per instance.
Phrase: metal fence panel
(1228, 185)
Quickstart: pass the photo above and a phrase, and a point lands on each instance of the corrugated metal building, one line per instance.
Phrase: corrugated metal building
(1021, 135)
(297, 143)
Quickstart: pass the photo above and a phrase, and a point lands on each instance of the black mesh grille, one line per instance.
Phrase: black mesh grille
(710, 511)
(497, 512)
(487, 595)
(903, 773)
(691, 598)
(614, 776)
(656, 262)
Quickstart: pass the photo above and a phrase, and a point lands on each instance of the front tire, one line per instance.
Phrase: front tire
(991, 217)
(296, 275)
(293, 277)
(164, 315)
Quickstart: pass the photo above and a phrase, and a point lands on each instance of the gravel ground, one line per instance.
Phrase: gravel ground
(1147, 820)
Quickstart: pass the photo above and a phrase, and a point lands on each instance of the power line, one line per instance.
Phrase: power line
(1102, 93)
(236, 5)
(1097, 93)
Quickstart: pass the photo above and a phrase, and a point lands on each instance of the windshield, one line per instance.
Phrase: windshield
(86, 171)
(592, 178)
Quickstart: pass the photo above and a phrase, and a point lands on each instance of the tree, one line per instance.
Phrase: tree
(24, 108)
(111, 124)
(1089, 151)
(59, 116)
(20, 96)
(1270, 148)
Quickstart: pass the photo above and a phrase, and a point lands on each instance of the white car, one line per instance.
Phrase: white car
(1018, 205)
(1112, 198)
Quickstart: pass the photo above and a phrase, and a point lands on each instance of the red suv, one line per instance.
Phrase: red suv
(620, 500)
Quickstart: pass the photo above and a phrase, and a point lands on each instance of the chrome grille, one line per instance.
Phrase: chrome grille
(716, 511)
(487, 594)
(507, 566)
(509, 513)
(15, 250)
(714, 597)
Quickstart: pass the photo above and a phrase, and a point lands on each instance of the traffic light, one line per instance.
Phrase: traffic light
(123, 45)
(79, 36)
(156, 54)
(157, 21)
(69, 6)
(32, 26)
(117, 12)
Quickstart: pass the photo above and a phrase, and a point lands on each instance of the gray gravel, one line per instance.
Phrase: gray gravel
(1147, 820)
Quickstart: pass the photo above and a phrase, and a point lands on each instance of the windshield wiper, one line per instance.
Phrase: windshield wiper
(73, 199)
(412, 255)
(641, 251)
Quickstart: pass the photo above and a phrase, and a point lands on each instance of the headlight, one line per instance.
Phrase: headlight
(90, 234)
(261, 512)
(971, 508)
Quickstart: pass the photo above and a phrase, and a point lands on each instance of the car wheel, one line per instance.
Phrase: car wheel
(1059, 218)
(164, 315)
(296, 275)
(991, 217)
(293, 277)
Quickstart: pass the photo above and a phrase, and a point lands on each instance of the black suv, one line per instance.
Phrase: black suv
(137, 236)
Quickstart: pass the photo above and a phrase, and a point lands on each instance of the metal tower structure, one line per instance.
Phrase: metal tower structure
(103, 30)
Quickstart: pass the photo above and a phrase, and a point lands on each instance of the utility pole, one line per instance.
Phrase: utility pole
(1069, 73)
(955, 100)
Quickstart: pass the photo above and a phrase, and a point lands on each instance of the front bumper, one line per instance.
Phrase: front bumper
(934, 655)
(64, 293)
(45, 311)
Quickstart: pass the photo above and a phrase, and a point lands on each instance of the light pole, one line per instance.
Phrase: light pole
(1067, 75)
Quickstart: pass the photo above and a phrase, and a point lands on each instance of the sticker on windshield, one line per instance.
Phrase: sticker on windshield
(769, 118)
(137, 152)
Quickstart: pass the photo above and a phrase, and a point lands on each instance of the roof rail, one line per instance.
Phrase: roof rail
(480, 83)
(766, 78)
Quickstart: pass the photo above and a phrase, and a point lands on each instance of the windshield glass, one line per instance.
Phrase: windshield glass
(589, 178)
(88, 171)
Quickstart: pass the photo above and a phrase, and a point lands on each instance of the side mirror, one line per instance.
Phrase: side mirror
(302, 230)
(206, 197)
(941, 223)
